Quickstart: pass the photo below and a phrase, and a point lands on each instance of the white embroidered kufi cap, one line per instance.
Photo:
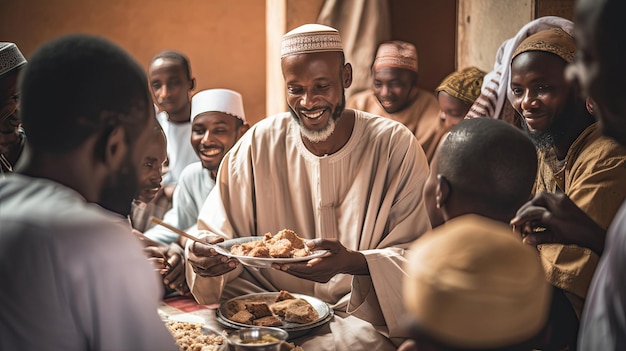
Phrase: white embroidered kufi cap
(10, 58)
(218, 100)
(310, 38)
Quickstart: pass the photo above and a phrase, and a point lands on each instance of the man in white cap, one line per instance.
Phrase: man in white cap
(12, 136)
(395, 94)
(345, 180)
(218, 121)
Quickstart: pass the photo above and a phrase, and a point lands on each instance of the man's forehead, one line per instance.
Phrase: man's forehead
(162, 64)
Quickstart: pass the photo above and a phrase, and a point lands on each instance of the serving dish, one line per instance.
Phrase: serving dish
(294, 329)
(224, 247)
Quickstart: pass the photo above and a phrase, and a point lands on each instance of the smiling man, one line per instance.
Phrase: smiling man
(395, 95)
(574, 157)
(347, 180)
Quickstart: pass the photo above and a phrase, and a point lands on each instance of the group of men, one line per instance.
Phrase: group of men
(353, 183)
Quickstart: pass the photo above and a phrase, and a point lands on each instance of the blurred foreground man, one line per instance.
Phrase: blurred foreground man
(600, 33)
(73, 276)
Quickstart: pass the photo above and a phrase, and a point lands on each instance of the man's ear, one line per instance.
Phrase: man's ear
(192, 84)
(346, 75)
(442, 192)
(242, 130)
(115, 148)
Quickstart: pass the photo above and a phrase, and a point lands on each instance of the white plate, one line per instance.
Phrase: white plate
(294, 329)
(260, 262)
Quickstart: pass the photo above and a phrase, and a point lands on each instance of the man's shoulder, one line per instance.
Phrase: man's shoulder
(382, 126)
(595, 147)
(191, 171)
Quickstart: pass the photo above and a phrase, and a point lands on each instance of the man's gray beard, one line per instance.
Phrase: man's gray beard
(318, 136)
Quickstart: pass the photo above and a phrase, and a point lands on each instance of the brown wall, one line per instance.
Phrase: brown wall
(431, 26)
(225, 40)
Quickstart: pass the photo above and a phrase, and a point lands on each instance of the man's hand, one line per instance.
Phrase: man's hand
(173, 267)
(322, 269)
(564, 223)
(206, 262)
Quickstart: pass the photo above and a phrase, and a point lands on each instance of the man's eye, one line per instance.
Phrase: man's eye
(294, 90)
(517, 91)
(148, 164)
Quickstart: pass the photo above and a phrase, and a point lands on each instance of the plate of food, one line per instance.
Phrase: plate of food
(261, 251)
(196, 336)
(297, 314)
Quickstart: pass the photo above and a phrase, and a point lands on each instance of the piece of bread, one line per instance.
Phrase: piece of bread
(283, 295)
(258, 309)
(301, 313)
(268, 321)
(243, 317)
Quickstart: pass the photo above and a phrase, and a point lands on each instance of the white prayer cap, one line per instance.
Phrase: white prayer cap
(218, 100)
(310, 38)
(10, 58)
(471, 283)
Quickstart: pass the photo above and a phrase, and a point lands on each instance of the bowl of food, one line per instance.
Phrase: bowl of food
(257, 339)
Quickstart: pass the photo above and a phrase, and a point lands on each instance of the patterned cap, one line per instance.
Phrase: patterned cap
(10, 58)
(464, 84)
(310, 38)
(218, 100)
(554, 40)
(471, 283)
(396, 54)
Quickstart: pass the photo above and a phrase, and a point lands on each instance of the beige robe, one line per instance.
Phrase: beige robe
(421, 117)
(368, 195)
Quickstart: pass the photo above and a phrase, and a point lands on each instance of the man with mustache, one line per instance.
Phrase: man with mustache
(150, 175)
(348, 181)
(12, 136)
(600, 36)
(395, 95)
(574, 159)
(218, 121)
(73, 276)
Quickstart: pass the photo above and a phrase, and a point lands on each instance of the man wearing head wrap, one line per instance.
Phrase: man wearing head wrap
(395, 94)
(347, 181)
(218, 121)
(492, 101)
(12, 136)
(600, 35)
(575, 159)
(456, 94)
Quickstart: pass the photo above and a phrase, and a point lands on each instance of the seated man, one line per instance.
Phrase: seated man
(12, 136)
(601, 35)
(348, 181)
(468, 176)
(73, 276)
(456, 94)
(150, 180)
(395, 95)
(218, 121)
(574, 157)
(171, 84)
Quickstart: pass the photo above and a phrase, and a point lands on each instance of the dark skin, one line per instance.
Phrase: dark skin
(395, 88)
(315, 85)
(545, 100)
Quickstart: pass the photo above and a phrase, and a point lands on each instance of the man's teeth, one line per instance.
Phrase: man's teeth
(211, 152)
(313, 115)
